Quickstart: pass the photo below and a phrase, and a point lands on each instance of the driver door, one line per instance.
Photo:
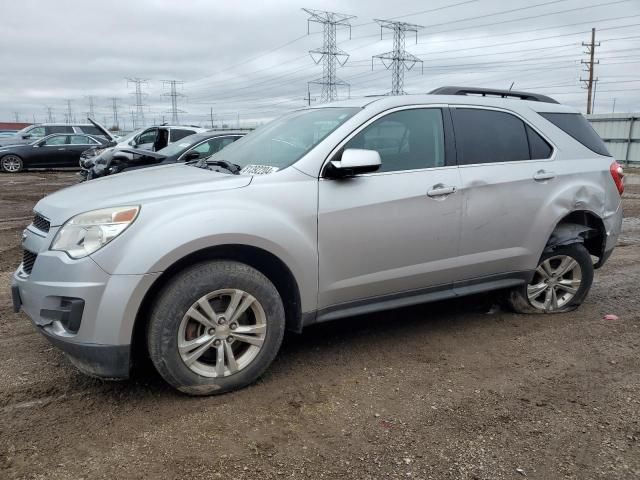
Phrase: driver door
(395, 231)
(50, 152)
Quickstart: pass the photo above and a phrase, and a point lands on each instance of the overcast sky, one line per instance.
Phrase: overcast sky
(249, 59)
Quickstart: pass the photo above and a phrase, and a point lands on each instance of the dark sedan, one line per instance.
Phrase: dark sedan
(53, 151)
(196, 146)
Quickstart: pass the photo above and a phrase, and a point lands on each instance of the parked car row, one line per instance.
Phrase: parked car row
(99, 153)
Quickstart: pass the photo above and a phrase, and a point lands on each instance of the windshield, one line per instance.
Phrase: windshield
(285, 140)
(179, 146)
(25, 130)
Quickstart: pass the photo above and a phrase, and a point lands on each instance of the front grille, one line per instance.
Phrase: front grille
(28, 259)
(41, 223)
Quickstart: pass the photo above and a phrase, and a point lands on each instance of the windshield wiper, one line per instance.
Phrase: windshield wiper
(230, 167)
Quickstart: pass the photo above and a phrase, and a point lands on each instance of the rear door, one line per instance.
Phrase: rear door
(507, 172)
(394, 231)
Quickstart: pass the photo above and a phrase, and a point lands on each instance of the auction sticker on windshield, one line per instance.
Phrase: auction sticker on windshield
(258, 170)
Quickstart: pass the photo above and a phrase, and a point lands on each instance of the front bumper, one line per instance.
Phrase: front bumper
(82, 310)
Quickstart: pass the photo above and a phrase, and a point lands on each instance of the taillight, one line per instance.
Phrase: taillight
(618, 175)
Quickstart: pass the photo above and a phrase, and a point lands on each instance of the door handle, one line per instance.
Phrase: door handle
(62, 149)
(441, 190)
(542, 175)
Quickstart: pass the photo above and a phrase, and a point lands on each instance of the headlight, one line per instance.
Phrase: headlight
(90, 231)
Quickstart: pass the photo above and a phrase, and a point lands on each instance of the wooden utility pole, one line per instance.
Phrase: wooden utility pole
(591, 50)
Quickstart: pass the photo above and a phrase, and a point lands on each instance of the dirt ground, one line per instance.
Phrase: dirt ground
(453, 390)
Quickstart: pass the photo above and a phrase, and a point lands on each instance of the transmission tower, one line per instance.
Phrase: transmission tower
(114, 104)
(174, 94)
(50, 118)
(398, 60)
(591, 51)
(330, 55)
(138, 120)
(69, 114)
(91, 113)
(17, 116)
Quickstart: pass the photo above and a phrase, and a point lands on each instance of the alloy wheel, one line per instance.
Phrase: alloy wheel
(222, 333)
(555, 283)
(11, 164)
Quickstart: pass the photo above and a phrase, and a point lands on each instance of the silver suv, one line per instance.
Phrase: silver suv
(324, 213)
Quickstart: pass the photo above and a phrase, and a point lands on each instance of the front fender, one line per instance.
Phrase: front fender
(162, 236)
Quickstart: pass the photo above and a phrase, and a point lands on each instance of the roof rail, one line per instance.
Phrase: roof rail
(535, 97)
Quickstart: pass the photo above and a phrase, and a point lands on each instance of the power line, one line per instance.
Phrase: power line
(330, 55)
(399, 59)
(138, 119)
(174, 94)
(114, 109)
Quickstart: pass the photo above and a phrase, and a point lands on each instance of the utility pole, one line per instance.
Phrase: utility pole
(330, 55)
(398, 60)
(91, 113)
(50, 118)
(174, 99)
(613, 109)
(69, 114)
(114, 106)
(138, 120)
(308, 97)
(211, 115)
(591, 50)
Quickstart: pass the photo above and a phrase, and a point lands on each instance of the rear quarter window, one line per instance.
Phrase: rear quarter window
(179, 134)
(580, 129)
(91, 130)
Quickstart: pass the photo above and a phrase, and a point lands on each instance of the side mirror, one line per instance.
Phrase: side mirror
(354, 161)
(26, 135)
(192, 156)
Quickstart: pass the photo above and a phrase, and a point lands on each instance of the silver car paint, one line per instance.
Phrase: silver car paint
(343, 240)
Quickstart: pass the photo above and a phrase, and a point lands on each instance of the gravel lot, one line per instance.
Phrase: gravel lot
(454, 390)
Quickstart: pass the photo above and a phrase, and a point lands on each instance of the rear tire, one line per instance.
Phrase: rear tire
(215, 327)
(560, 283)
(11, 164)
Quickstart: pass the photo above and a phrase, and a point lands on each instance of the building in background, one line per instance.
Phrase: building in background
(621, 134)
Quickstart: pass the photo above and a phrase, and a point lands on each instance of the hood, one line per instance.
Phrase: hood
(105, 131)
(163, 183)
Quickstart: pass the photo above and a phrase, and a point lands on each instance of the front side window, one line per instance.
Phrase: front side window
(57, 140)
(488, 136)
(148, 136)
(405, 140)
(287, 139)
(36, 132)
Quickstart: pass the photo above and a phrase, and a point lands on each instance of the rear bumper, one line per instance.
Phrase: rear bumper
(613, 226)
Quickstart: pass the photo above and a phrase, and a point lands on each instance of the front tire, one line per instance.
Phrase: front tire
(560, 282)
(11, 164)
(215, 327)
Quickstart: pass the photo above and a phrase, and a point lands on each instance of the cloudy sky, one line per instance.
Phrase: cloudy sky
(249, 61)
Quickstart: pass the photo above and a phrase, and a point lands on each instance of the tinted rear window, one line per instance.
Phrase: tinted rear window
(488, 136)
(59, 129)
(177, 134)
(91, 130)
(579, 128)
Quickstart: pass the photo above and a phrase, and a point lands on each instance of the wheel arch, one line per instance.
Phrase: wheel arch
(265, 262)
(580, 226)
